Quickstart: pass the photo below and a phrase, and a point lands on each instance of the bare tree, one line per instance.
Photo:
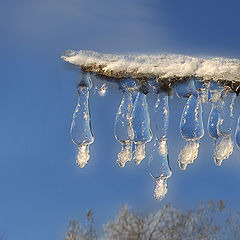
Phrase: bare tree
(211, 221)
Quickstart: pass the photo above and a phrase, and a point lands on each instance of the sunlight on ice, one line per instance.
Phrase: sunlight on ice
(188, 154)
(83, 155)
(191, 129)
(102, 91)
(140, 120)
(159, 161)
(223, 150)
(224, 146)
(160, 189)
(81, 131)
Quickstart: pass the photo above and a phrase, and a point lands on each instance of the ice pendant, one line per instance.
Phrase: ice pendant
(191, 128)
(122, 129)
(81, 131)
(214, 96)
(159, 162)
(213, 122)
(123, 123)
(141, 126)
(224, 147)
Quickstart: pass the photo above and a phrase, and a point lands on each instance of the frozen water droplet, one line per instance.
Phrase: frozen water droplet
(186, 88)
(160, 189)
(226, 112)
(223, 149)
(123, 128)
(213, 122)
(188, 154)
(81, 131)
(237, 135)
(102, 91)
(191, 124)
(224, 146)
(159, 162)
(141, 126)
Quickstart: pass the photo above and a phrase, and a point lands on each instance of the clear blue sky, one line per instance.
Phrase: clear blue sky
(41, 188)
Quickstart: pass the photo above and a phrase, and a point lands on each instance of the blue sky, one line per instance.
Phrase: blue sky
(41, 187)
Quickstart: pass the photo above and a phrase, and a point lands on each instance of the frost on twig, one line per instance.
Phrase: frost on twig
(165, 67)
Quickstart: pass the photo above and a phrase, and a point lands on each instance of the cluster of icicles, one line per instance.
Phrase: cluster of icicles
(132, 124)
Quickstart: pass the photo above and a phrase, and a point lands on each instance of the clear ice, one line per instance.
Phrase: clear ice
(214, 95)
(81, 131)
(191, 129)
(159, 162)
(141, 126)
(224, 146)
(123, 122)
(123, 128)
(186, 88)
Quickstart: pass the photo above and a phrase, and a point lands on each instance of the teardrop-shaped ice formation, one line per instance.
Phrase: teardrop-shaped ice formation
(213, 122)
(191, 124)
(123, 129)
(214, 96)
(191, 128)
(185, 88)
(81, 131)
(159, 162)
(141, 126)
(224, 147)
(237, 135)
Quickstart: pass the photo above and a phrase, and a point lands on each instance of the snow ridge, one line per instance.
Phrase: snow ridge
(164, 66)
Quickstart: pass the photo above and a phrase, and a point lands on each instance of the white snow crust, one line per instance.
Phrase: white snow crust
(164, 66)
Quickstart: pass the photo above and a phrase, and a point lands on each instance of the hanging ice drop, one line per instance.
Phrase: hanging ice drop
(141, 126)
(81, 131)
(214, 96)
(191, 128)
(224, 147)
(159, 162)
(122, 129)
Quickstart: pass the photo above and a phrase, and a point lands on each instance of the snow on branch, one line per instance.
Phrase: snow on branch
(164, 66)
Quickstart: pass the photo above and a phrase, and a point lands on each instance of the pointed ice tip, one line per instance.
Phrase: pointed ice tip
(160, 189)
(81, 164)
(121, 164)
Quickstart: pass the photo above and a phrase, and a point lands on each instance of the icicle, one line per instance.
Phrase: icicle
(122, 129)
(158, 162)
(123, 126)
(224, 147)
(191, 128)
(214, 96)
(81, 131)
(141, 126)
(237, 135)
